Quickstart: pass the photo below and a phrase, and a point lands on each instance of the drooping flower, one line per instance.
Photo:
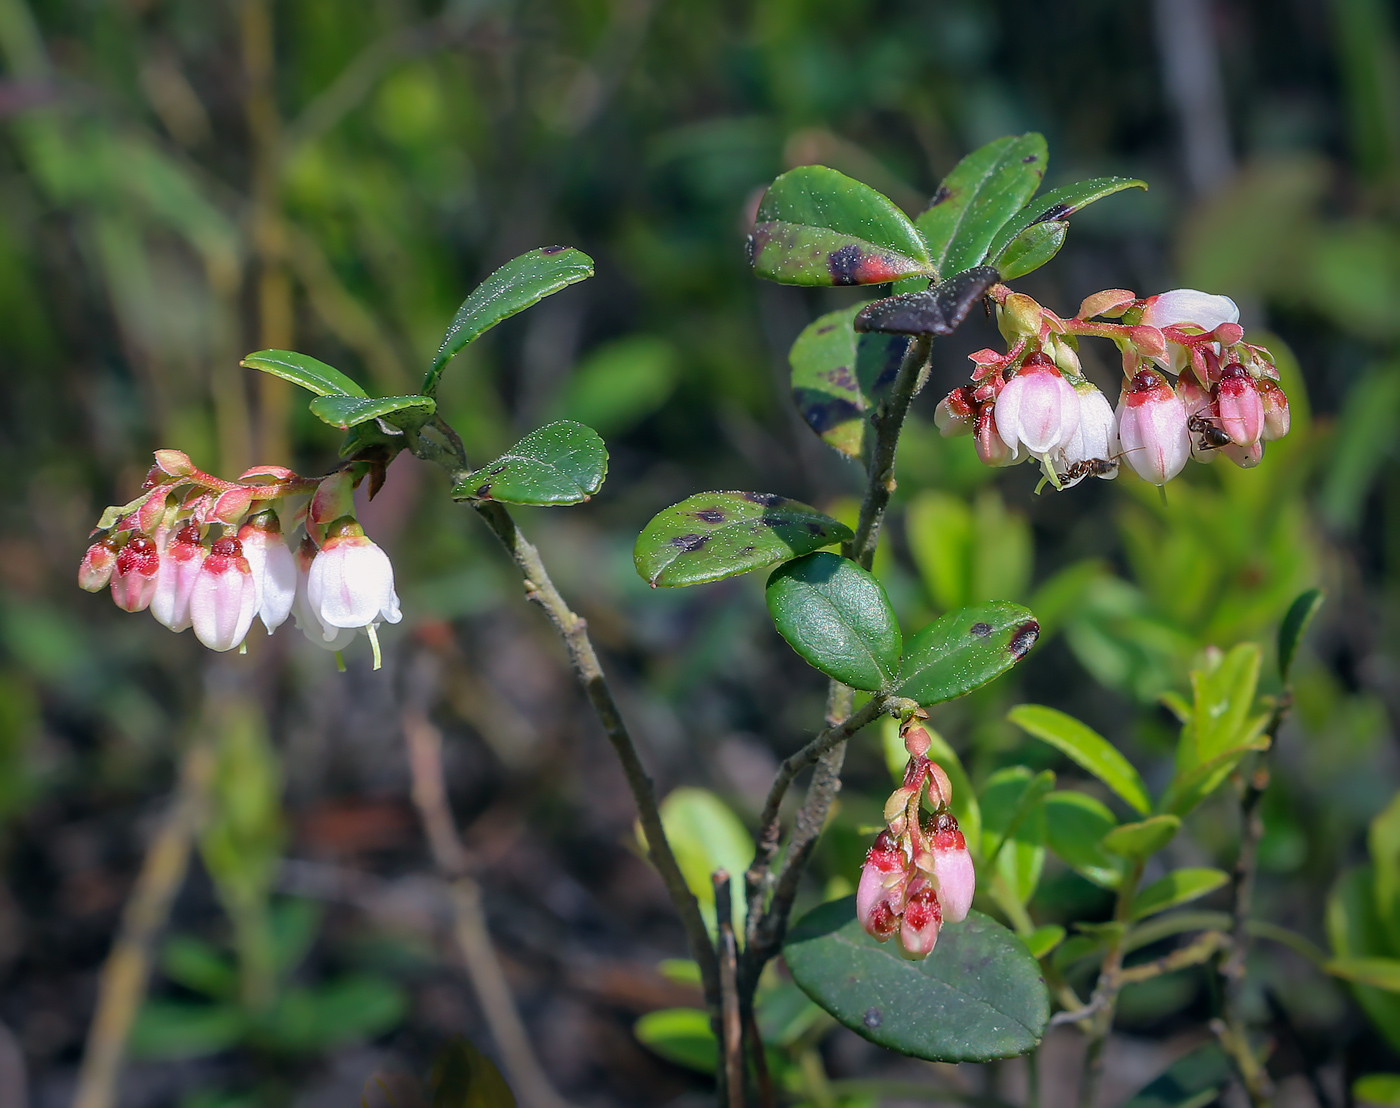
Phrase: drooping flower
(1189, 307)
(1038, 408)
(1277, 419)
(991, 448)
(224, 598)
(1152, 428)
(1240, 406)
(273, 566)
(95, 570)
(956, 413)
(880, 894)
(134, 573)
(922, 920)
(179, 569)
(351, 581)
(308, 622)
(1095, 439)
(952, 868)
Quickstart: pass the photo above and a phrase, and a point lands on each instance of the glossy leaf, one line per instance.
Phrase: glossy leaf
(1015, 829)
(1192, 1081)
(975, 200)
(560, 463)
(978, 996)
(303, 370)
(713, 535)
(1290, 631)
(1086, 747)
(464, 1077)
(963, 650)
(816, 226)
(1059, 204)
(1178, 887)
(1075, 825)
(519, 283)
(1031, 249)
(937, 311)
(347, 411)
(1139, 840)
(838, 618)
(705, 836)
(680, 1035)
(1355, 931)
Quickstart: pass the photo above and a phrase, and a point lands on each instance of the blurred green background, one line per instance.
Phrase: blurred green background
(184, 181)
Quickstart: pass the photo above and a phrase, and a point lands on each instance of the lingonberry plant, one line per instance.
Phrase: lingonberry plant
(908, 961)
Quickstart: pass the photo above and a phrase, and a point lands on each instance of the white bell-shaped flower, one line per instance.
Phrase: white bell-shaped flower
(1038, 408)
(274, 568)
(351, 581)
(179, 569)
(224, 598)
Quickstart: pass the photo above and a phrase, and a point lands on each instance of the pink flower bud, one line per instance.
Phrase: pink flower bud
(1152, 428)
(351, 581)
(1187, 307)
(95, 570)
(1037, 409)
(1111, 303)
(231, 506)
(179, 568)
(176, 463)
(916, 740)
(224, 598)
(134, 576)
(1276, 416)
(990, 447)
(952, 868)
(1227, 334)
(1241, 409)
(1246, 457)
(880, 895)
(334, 497)
(273, 566)
(955, 413)
(1149, 341)
(923, 916)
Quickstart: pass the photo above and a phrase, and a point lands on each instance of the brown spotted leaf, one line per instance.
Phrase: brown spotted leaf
(965, 649)
(819, 227)
(713, 535)
(938, 311)
(1058, 204)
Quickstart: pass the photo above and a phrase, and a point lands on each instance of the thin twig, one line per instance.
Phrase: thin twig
(1193, 953)
(731, 1026)
(1107, 988)
(125, 974)
(469, 928)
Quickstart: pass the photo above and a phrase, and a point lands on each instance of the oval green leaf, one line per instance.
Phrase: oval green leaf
(1043, 940)
(680, 1035)
(560, 463)
(519, 283)
(1031, 249)
(303, 370)
(837, 616)
(1060, 204)
(1177, 887)
(978, 996)
(1075, 826)
(1290, 631)
(713, 535)
(1086, 747)
(347, 411)
(705, 836)
(975, 200)
(963, 650)
(819, 227)
(1138, 840)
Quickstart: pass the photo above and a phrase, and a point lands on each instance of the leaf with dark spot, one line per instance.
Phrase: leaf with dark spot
(1031, 249)
(1059, 204)
(746, 531)
(954, 654)
(560, 463)
(938, 311)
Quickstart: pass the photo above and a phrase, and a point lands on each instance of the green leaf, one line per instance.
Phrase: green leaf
(180, 1029)
(1290, 631)
(1190, 788)
(713, 535)
(705, 836)
(937, 311)
(348, 411)
(837, 616)
(346, 1009)
(300, 369)
(1043, 940)
(1192, 1081)
(976, 199)
(1030, 249)
(1224, 693)
(1058, 205)
(963, 650)
(1138, 840)
(1379, 973)
(1075, 825)
(198, 966)
(819, 227)
(1014, 826)
(463, 1077)
(836, 372)
(620, 383)
(1383, 842)
(680, 1035)
(1177, 887)
(294, 923)
(1378, 1088)
(560, 463)
(978, 996)
(519, 283)
(1086, 747)
(1354, 931)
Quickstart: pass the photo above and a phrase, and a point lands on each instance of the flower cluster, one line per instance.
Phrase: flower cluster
(918, 875)
(1034, 401)
(160, 553)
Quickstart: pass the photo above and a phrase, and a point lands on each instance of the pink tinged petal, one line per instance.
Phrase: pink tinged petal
(224, 598)
(274, 569)
(991, 448)
(1182, 307)
(880, 894)
(1038, 408)
(1096, 434)
(952, 870)
(134, 573)
(351, 583)
(955, 413)
(95, 570)
(1241, 409)
(923, 916)
(1152, 429)
(179, 569)
(1276, 415)
(1246, 457)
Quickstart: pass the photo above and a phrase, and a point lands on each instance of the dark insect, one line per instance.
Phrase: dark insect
(1088, 467)
(1212, 437)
